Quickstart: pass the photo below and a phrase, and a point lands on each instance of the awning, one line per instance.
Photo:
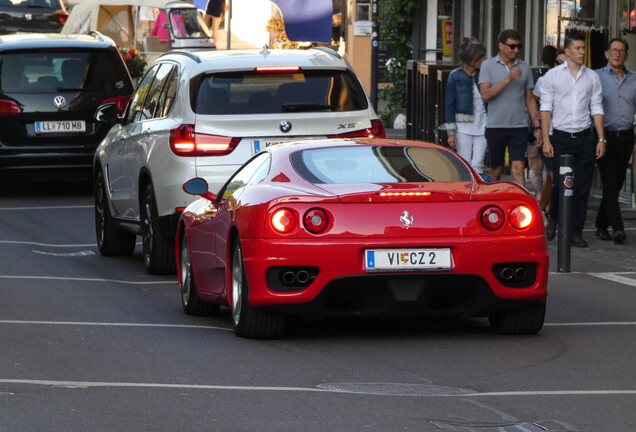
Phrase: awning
(307, 21)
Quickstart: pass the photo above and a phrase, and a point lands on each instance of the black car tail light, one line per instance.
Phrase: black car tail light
(375, 131)
(8, 108)
(492, 217)
(184, 141)
(316, 220)
(283, 220)
(121, 102)
(61, 17)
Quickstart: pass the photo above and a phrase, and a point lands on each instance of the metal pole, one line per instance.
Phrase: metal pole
(566, 197)
(229, 24)
(374, 55)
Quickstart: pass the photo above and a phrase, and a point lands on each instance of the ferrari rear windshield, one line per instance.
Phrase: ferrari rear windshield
(379, 164)
(251, 92)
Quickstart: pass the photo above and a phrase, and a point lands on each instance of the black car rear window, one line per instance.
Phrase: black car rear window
(379, 164)
(53, 4)
(264, 93)
(43, 71)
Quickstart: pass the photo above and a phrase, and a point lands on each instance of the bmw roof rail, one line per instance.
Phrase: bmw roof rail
(194, 57)
(328, 51)
(97, 35)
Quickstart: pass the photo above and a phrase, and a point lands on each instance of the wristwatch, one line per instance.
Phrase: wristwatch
(537, 127)
(603, 140)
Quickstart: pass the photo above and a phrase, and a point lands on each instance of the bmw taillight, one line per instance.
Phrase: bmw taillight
(375, 131)
(8, 108)
(61, 17)
(316, 220)
(492, 217)
(121, 102)
(283, 220)
(184, 141)
(520, 217)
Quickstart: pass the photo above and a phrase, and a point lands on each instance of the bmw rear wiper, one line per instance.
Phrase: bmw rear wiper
(296, 107)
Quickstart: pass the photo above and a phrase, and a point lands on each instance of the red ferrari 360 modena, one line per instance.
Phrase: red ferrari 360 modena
(362, 227)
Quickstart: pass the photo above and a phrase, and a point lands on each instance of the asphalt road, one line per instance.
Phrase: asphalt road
(89, 343)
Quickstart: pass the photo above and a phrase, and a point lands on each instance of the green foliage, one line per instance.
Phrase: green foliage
(396, 30)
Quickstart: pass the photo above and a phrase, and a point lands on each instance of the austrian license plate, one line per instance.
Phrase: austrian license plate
(69, 126)
(407, 259)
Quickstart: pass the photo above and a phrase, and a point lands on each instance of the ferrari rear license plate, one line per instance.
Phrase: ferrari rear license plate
(407, 259)
(43, 127)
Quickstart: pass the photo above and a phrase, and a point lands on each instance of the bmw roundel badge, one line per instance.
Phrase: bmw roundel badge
(285, 126)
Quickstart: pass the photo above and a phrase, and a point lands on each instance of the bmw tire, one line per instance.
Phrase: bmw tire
(158, 251)
(110, 241)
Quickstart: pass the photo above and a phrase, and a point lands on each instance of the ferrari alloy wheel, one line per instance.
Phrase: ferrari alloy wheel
(158, 252)
(110, 241)
(192, 304)
(527, 320)
(249, 322)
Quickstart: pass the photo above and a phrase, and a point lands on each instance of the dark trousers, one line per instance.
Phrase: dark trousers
(583, 149)
(612, 168)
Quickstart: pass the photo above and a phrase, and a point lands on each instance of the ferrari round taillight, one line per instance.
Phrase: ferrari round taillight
(492, 217)
(520, 217)
(316, 220)
(283, 220)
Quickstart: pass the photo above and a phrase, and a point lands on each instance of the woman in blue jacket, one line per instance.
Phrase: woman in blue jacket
(465, 110)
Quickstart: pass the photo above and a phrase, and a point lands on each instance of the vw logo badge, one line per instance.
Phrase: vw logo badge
(59, 101)
(285, 126)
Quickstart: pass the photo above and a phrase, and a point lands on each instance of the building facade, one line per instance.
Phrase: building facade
(442, 24)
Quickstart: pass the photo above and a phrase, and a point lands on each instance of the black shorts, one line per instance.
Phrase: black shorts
(215, 8)
(516, 139)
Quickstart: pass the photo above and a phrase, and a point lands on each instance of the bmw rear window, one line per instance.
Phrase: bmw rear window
(379, 164)
(249, 92)
(50, 71)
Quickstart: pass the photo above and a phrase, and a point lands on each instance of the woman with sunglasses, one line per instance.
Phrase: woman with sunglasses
(464, 108)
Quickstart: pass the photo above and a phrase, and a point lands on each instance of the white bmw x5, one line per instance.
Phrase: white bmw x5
(203, 114)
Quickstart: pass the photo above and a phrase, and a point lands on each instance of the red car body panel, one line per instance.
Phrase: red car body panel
(360, 218)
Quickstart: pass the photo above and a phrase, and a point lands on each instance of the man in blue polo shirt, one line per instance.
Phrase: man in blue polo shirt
(506, 86)
(619, 106)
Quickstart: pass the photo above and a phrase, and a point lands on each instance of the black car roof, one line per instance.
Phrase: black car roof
(22, 41)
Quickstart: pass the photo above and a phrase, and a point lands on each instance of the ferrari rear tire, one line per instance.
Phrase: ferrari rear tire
(247, 321)
(192, 303)
(158, 251)
(110, 241)
(519, 321)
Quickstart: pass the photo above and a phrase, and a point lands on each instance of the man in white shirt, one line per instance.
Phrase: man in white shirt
(570, 93)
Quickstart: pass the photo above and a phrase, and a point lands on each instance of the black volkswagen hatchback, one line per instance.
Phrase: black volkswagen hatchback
(50, 87)
(32, 16)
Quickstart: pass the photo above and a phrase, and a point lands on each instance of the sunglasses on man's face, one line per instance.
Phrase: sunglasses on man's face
(513, 46)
